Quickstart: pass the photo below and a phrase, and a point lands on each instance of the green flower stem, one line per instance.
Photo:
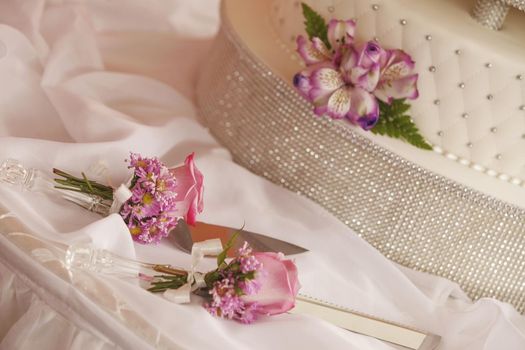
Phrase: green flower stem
(167, 282)
(83, 185)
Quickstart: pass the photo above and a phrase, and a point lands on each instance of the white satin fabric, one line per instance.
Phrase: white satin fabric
(82, 83)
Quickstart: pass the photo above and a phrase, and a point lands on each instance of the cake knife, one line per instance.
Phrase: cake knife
(183, 236)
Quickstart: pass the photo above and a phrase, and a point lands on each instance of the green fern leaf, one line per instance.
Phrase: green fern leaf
(315, 25)
(394, 122)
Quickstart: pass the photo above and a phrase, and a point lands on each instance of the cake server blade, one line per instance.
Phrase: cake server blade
(183, 236)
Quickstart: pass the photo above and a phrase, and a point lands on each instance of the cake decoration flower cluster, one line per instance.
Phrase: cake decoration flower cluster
(360, 82)
(249, 285)
(152, 202)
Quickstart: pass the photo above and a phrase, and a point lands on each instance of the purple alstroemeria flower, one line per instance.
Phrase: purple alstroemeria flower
(397, 78)
(315, 51)
(361, 66)
(345, 91)
(340, 33)
(347, 80)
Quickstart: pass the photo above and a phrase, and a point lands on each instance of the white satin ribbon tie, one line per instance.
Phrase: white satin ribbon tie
(120, 196)
(195, 280)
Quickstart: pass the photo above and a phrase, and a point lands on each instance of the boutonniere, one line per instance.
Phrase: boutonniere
(151, 202)
(243, 288)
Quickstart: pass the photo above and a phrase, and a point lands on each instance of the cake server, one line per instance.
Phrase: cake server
(183, 236)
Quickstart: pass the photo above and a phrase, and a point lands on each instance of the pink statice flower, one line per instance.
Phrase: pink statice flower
(236, 279)
(160, 197)
(346, 80)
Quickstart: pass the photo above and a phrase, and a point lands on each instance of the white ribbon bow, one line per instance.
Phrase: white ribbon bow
(120, 196)
(195, 280)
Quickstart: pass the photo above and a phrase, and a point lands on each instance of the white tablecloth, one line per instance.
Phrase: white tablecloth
(83, 83)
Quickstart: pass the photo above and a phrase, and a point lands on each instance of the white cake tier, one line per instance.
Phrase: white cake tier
(471, 79)
(494, 129)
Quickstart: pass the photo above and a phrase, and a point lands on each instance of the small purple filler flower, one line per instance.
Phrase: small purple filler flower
(238, 279)
(147, 212)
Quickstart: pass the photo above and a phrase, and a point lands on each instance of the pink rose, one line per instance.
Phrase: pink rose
(278, 285)
(189, 188)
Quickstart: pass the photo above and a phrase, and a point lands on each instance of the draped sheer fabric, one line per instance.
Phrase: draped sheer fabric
(83, 83)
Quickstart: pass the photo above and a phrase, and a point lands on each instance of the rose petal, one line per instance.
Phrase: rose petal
(189, 189)
(279, 285)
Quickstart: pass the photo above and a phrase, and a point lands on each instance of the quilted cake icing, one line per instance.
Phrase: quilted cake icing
(471, 106)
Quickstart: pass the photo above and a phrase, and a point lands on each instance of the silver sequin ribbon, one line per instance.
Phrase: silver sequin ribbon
(414, 217)
(492, 13)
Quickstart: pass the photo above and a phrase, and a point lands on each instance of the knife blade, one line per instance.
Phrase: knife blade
(183, 236)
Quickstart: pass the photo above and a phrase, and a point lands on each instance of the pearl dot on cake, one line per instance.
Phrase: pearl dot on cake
(519, 76)
(428, 37)
(440, 133)
(488, 65)
(403, 22)
(464, 116)
(493, 130)
(498, 156)
(469, 145)
(457, 52)
(375, 7)
(432, 69)
(522, 107)
(331, 9)
(437, 102)
(490, 97)
(461, 85)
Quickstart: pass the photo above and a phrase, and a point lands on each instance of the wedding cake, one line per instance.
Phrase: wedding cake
(456, 210)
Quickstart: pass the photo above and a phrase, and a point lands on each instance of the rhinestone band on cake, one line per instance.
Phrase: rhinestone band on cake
(492, 13)
(414, 217)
